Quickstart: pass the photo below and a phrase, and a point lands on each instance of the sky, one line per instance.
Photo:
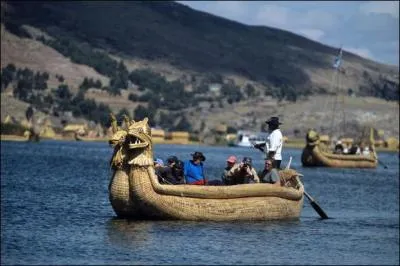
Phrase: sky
(367, 28)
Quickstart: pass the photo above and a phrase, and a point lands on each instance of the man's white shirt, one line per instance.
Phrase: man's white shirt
(274, 143)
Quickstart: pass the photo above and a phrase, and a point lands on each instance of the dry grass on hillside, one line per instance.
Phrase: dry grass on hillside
(249, 115)
(170, 72)
(114, 102)
(15, 108)
(312, 113)
(23, 52)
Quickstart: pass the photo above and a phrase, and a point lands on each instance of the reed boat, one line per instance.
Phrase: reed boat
(315, 153)
(134, 190)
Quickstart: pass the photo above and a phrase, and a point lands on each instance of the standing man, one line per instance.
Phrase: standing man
(272, 147)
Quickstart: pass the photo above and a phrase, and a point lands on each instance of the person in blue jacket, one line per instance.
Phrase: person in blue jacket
(193, 170)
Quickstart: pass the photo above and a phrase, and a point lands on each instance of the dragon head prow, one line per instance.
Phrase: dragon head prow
(139, 143)
(132, 146)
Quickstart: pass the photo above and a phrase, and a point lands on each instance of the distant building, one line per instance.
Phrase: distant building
(221, 128)
(157, 135)
(180, 137)
(71, 130)
(215, 88)
(10, 120)
(47, 130)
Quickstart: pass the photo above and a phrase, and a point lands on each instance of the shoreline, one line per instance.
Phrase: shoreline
(294, 145)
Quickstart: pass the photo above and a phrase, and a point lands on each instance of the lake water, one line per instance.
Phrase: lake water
(55, 210)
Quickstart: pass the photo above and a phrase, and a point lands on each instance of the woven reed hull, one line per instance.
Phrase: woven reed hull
(313, 156)
(119, 195)
(147, 199)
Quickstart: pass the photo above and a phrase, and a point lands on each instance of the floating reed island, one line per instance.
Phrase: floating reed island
(134, 190)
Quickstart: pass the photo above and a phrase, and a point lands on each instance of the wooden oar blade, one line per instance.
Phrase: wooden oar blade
(318, 209)
(384, 165)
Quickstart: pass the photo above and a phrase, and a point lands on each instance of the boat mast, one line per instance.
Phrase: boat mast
(336, 83)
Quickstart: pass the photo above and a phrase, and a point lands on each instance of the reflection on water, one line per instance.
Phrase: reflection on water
(128, 233)
(131, 233)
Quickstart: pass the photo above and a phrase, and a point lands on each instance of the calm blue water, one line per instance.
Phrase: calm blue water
(55, 210)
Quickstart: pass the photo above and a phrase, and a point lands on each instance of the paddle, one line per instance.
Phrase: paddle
(316, 207)
(384, 165)
(313, 203)
(290, 161)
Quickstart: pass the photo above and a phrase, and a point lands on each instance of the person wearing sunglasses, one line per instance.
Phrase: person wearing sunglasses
(269, 174)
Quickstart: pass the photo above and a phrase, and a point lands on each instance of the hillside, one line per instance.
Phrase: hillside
(262, 70)
(173, 33)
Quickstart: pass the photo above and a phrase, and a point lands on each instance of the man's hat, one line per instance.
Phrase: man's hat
(198, 155)
(231, 159)
(159, 161)
(273, 121)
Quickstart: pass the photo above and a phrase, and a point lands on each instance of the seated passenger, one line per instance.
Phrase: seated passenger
(165, 174)
(230, 162)
(243, 173)
(176, 169)
(353, 149)
(159, 169)
(345, 149)
(338, 148)
(193, 170)
(366, 151)
(269, 174)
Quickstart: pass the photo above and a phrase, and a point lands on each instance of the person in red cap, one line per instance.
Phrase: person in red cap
(230, 162)
(243, 173)
(272, 147)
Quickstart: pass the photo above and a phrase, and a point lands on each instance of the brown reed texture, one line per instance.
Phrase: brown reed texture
(134, 190)
(315, 154)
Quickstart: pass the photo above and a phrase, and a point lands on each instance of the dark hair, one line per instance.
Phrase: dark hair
(247, 161)
(179, 164)
(198, 155)
(172, 159)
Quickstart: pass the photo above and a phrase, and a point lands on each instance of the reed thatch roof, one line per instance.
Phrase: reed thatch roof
(157, 133)
(179, 134)
(75, 127)
(47, 132)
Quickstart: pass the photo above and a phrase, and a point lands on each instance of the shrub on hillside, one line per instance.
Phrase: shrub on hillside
(12, 129)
